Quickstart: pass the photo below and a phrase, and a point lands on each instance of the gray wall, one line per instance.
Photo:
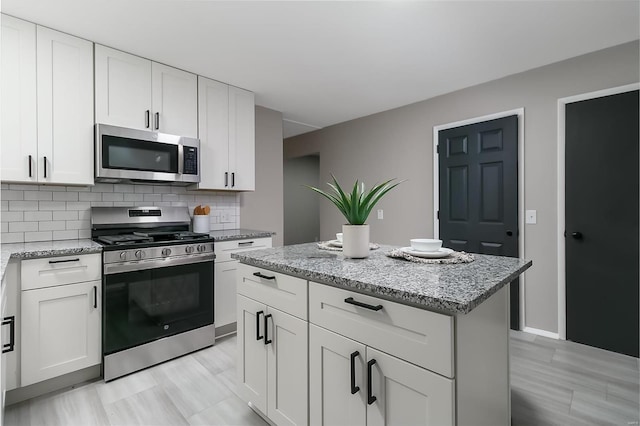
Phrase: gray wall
(263, 209)
(301, 213)
(398, 143)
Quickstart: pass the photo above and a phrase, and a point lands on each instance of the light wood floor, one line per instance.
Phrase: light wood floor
(553, 383)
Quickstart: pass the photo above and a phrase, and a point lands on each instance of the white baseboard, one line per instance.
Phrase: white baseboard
(543, 333)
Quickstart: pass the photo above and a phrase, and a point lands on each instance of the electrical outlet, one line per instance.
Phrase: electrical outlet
(531, 216)
(380, 214)
(225, 217)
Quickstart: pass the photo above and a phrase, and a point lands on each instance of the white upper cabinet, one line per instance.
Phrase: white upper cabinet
(227, 136)
(65, 115)
(175, 100)
(137, 93)
(18, 131)
(123, 89)
(47, 105)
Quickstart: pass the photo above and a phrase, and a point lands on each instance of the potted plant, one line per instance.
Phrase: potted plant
(356, 206)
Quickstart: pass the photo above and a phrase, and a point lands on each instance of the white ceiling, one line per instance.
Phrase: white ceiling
(323, 63)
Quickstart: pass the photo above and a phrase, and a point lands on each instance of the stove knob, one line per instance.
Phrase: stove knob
(139, 254)
(189, 249)
(201, 248)
(123, 255)
(166, 252)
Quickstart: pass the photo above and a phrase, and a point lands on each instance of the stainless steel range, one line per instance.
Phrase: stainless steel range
(157, 286)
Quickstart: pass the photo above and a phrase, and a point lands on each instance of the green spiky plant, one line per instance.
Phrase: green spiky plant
(357, 204)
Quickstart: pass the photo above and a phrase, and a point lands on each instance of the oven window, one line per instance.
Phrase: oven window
(142, 306)
(132, 154)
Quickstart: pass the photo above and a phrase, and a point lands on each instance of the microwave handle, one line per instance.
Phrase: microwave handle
(180, 159)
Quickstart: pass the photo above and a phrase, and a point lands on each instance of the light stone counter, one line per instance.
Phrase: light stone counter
(45, 249)
(446, 288)
(239, 234)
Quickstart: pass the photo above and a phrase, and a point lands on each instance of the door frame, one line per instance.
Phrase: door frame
(436, 185)
(562, 103)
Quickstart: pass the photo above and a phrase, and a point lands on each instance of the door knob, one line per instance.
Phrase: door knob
(577, 235)
(509, 233)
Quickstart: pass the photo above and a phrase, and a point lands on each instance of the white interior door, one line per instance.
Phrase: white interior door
(335, 396)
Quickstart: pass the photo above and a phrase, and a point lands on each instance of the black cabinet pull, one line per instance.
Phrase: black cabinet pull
(30, 166)
(95, 297)
(45, 167)
(64, 261)
(11, 321)
(258, 336)
(509, 233)
(577, 235)
(354, 388)
(157, 120)
(351, 301)
(370, 398)
(266, 339)
(226, 179)
(233, 179)
(266, 277)
(147, 119)
(245, 243)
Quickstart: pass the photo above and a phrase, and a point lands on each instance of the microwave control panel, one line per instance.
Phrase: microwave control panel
(190, 161)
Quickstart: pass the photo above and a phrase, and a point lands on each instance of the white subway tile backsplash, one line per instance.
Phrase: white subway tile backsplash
(65, 235)
(23, 206)
(50, 225)
(46, 212)
(37, 216)
(65, 196)
(38, 195)
(12, 195)
(90, 196)
(65, 215)
(23, 226)
(37, 236)
(112, 196)
(52, 205)
(14, 216)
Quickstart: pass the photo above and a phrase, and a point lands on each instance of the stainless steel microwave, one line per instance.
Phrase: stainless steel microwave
(131, 155)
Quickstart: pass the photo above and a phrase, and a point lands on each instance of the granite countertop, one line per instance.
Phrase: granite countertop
(452, 289)
(239, 234)
(45, 249)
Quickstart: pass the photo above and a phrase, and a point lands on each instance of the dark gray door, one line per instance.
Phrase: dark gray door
(478, 173)
(601, 208)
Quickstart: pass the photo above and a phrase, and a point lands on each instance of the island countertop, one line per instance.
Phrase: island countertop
(454, 289)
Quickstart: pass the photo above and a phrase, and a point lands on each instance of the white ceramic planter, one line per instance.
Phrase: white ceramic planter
(355, 241)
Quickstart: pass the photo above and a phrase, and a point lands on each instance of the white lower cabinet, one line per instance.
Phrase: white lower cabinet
(272, 362)
(60, 330)
(353, 384)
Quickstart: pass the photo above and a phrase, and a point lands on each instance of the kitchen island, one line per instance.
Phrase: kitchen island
(324, 340)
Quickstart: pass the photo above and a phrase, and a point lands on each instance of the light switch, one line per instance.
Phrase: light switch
(380, 214)
(531, 216)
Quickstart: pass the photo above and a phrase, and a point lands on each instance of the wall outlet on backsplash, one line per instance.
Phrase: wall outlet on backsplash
(54, 212)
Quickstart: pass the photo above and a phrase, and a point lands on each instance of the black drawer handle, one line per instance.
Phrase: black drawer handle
(11, 321)
(266, 339)
(351, 301)
(95, 297)
(245, 243)
(370, 398)
(64, 261)
(258, 336)
(354, 388)
(266, 277)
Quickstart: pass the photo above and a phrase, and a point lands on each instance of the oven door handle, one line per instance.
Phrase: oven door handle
(120, 267)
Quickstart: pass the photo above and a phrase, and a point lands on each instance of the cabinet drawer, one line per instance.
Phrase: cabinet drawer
(224, 249)
(421, 337)
(52, 271)
(284, 292)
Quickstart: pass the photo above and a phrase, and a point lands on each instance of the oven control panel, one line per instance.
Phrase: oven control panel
(160, 252)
